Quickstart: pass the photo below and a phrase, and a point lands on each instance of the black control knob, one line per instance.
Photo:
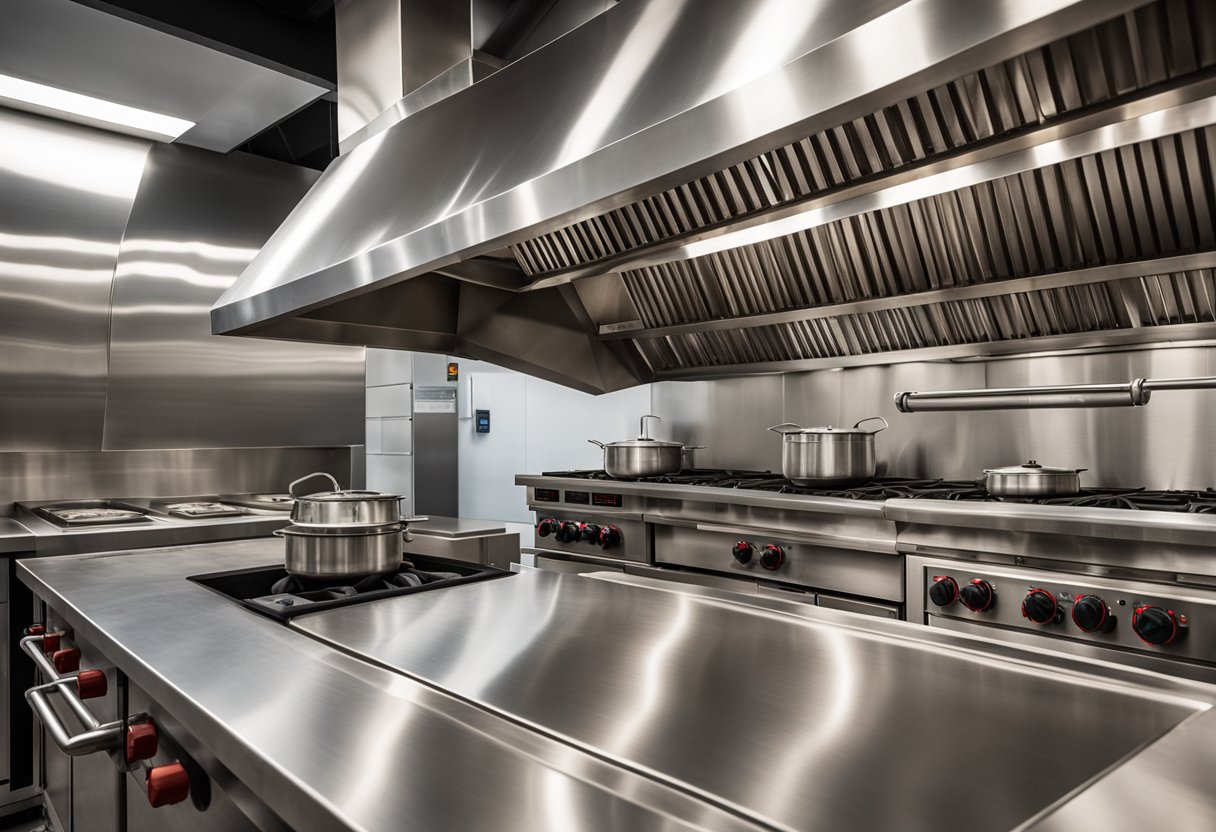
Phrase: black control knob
(743, 552)
(772, 557)
(590, 533)
(1155, 625)
(546, 527)
(568, 532)
(1091, 614)
(944, 591)
(610, 537)
(1041, 607)
(978, 595)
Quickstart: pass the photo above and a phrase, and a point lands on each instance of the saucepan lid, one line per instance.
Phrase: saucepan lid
(1032, 469)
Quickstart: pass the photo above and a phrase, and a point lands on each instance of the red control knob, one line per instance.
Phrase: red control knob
(90, 684)
(978, 595)
(142, 742)
(944, 591)
(743, 552)
(35, 630)
(168, 784)
(50, 642)
(1155, 625)
(1091, 614)
(1041, 607)
(66, 660)
(546, 527)
(610, 537)
(772, 557)
(568, 532)
(589, 533)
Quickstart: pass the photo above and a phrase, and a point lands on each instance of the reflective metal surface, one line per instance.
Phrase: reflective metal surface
(65, 195)
(603, 153)
(60, 476)
(377, 749)
(197, 221)
(648, 695)
(331, 554)
(84, 48)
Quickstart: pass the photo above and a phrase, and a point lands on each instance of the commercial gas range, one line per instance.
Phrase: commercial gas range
(1121, 574)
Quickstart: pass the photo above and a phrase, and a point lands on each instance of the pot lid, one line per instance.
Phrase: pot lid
(790, 427)
(347, 496)
(644, 442)
(1032, 469)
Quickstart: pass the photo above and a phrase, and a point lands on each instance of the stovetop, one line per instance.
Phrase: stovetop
(271, 591)
(1199, 501)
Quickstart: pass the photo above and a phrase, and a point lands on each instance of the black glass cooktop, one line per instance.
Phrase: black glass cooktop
(271, 591)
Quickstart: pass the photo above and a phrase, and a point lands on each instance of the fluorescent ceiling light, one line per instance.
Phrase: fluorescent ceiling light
(96, 109)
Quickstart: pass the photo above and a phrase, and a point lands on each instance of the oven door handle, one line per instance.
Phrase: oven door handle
(96, 736)
(830, 541)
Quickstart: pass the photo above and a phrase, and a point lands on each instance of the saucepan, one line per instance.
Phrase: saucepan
(644, 456)
(828, 456)
(1031, 479)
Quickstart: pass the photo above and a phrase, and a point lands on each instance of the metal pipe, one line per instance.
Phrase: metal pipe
(1133, 394)
(1199, 383)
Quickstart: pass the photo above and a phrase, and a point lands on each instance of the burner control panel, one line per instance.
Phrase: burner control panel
(1146, 617)
(601, 536)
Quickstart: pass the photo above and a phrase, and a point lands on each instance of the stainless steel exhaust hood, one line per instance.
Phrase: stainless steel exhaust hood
(684, 189)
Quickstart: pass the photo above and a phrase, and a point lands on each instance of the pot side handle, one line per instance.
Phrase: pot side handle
(602, 446)
(885, 425)
(778, 428)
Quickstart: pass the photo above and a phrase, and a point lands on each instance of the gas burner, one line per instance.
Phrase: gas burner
(91, 513)
(710, 477)
(271, 591)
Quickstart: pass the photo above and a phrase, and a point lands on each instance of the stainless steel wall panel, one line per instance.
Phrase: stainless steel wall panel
(728, 417)
(197, 221)
(38, 475)
(65, 195)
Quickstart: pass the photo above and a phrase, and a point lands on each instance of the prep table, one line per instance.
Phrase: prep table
(550, 701)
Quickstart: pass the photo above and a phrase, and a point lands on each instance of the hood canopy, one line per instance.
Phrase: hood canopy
(689, 189)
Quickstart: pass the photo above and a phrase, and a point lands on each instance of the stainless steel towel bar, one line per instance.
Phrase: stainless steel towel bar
(1132, 394)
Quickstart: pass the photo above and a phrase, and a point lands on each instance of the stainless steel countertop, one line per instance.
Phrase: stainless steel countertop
(700, 493)
(332, 742)
(14, 537)
(456, 527)
(791, 716)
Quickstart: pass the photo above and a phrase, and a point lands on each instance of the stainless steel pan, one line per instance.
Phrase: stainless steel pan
(644, 456)
(828, 456)
(1032, 480)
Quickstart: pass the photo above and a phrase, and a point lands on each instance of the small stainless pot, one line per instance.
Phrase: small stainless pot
(828, 456)
(643, 457)
(1033, 480)
(354, 552)
(343, 508)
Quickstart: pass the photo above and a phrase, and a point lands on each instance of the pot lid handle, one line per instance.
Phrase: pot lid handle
(1034, 463)
(778, 428)
(291, 488)
(643, 433)
(871, 419)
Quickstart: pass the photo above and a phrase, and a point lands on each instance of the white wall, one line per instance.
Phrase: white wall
(535, 426)
(388, 420)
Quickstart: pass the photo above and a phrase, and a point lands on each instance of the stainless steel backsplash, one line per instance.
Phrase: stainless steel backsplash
(112, 250)
(1166, 444)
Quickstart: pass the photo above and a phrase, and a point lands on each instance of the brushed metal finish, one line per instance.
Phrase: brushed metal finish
(64, 476)
(176, 644)
(603, 153)
(342, 555)
(65, 195)
(647, 696)
(198, 219)
(85, 48)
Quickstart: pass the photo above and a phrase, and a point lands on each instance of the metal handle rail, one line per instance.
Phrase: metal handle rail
(1133, 394)
(96, 736)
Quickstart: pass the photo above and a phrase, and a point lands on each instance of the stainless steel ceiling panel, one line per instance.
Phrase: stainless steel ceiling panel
(173, 383)
(65, 195)
(86, 50)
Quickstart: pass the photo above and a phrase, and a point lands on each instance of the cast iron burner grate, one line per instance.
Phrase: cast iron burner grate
(271, 591)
